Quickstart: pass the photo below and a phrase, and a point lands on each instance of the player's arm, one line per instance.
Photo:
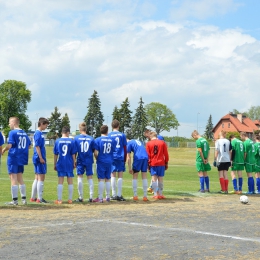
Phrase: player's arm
(74, 160)
(55, 161)
(96, 154)
(125, 153)
(38, 150)
(8, 147)
(166, 156)
(129, 163)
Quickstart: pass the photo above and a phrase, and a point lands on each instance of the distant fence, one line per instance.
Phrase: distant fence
(181, 144)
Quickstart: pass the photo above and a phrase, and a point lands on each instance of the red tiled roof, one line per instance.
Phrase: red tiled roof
(247, 124)
(257, 122)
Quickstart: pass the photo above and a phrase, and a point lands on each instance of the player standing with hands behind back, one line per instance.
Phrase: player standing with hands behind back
(158, 162)
(18, 146)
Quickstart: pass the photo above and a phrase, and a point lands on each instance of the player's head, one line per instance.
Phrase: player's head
(153, 135)
(147, 133)
(115, 124)
(195, 134)
(14, 122)
(222, 134)
(257, 138)
(65, 131)
(231, 137)
(243, 135)
(43, 123)
(83, 127)
(104, 129)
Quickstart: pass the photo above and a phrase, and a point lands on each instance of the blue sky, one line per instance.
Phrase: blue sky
(198, 57)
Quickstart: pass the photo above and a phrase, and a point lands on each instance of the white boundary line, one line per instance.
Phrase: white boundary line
(184, 230)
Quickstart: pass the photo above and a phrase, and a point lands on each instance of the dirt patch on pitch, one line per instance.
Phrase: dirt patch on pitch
(210, 227)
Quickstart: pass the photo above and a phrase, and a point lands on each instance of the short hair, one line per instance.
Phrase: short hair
(232, 136)
(16, 119)
(195, 132)
(65, 130)
(147, 131)
(222, 133)
(115, 123)
(257, 137)
(153, 134)
(104, 129)
(43, 121)
(83, 127)
(243, 134)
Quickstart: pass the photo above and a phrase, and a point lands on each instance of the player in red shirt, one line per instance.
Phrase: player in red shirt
(158, 163)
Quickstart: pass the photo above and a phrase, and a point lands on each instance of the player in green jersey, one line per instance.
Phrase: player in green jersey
(237, 162)
(202, 156)
(257, 163)
(249, 155)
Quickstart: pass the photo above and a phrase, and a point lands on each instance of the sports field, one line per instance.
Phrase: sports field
(187, 225)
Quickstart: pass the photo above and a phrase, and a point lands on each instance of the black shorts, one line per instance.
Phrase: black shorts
(223, 166)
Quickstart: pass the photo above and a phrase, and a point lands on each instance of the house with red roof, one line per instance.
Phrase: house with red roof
(236, 123)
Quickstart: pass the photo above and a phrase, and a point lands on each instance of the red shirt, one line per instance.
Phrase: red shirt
(157, 152)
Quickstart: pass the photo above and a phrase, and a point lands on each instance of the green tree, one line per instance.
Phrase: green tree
(254, 112)
(14, 97)
(160, 117)
(125, 116)
(65, 121)
(209, 127)
(94, 117)
(116, 114)
(235, 133)
(54, 124)
(140, 121)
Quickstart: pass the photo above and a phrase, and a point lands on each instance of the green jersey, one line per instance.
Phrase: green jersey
(250, 151)
(238, 147)
(257, 154)
(203, 144)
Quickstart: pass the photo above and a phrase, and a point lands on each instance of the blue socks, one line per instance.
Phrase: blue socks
(240, 183)
(235, 184)
(207, 182)
(202, 183)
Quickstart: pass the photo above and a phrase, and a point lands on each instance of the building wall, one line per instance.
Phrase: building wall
(225, 125)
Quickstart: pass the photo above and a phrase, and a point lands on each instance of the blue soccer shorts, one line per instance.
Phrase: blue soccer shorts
(81, 168)
(157, 170)
(140, 165)
(66, 174)
(15, 169)
(118, 166)
(104, 170)
(40, 168)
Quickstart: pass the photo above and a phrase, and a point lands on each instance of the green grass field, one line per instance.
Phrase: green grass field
(180, 179)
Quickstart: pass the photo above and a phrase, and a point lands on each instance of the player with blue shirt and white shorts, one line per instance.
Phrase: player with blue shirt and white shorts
(118, 165)
(39, 161)
(18, 147)
(85, 150)
(64, 162)
(140, 163)
(104, 148)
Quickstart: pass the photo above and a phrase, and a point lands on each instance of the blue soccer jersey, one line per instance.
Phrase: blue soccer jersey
(65, 147)
(138, 149)
(121, 142)
(85, 148)
(1, 139)
(19, 152)
(105, 147)
(40, 142)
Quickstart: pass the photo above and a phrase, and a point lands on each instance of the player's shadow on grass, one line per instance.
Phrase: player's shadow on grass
(35, 207)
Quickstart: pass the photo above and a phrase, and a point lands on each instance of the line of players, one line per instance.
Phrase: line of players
(237, 154)
(111, 151)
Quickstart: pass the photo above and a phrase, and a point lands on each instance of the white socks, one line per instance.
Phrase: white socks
(91, 188)
(155, 187)
(108, 186)
(40, 189)
(14, 191)
(34, 189)
(134, 183)
(70, 187)
(160, 186)
(80, 188)
(113, 186)
(100, 189)
(145, 186)
(22, 191)
(59, 191)
(119, 187)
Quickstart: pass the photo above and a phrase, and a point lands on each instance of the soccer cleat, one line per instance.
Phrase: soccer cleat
(58, 202)
(156, 197)
(239, 192)
(207, 190)
(12, 203)
(202, 191)
(150, 190)
(90, 200)
(233, 192)
(121, 198)
(33, 200)
(161, 197)
(98, 200)
(78, 200)
(221, 192)
(43, 201)
(257, 192)
(107, 199)
(145, 199)
(24, 202)
(226, 192)
(249, 193)
(69, 201)
(135, 198)
(113, 198)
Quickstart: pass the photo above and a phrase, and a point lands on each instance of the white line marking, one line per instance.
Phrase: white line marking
(184, 230)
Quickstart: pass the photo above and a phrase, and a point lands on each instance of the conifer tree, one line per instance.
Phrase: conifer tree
(140, 121)
(94, 117)
(65, 121)
(55, 124)
(209, 127)
(125, 116)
